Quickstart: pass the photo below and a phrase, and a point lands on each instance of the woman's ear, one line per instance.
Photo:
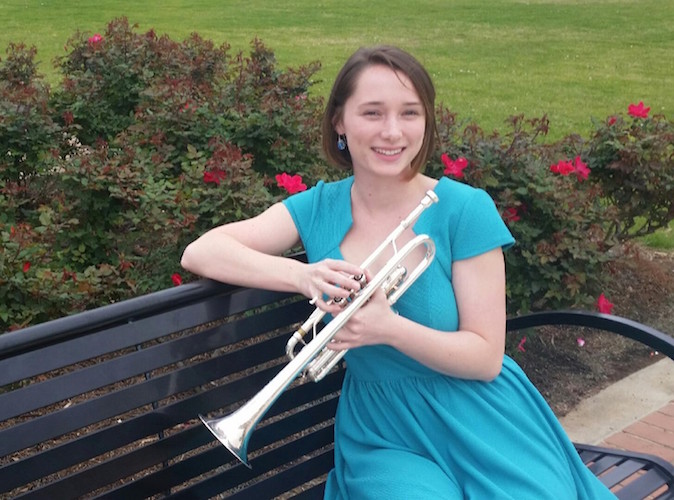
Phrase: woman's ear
(337, 124)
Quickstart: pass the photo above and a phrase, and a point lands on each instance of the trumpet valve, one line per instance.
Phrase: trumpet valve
(394, 280)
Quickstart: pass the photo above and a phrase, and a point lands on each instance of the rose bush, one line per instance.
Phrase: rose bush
(149, 142)
(28, 130)
(556, 218)
(632, 159)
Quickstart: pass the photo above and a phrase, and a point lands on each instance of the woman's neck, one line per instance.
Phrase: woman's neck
(377, 194)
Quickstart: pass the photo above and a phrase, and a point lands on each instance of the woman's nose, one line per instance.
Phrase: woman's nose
(392, 129)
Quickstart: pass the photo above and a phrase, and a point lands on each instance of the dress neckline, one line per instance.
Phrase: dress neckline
(348, 219)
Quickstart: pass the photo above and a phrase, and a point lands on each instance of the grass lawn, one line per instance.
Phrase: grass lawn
(569, 59)
(490, 59)
(662, 239)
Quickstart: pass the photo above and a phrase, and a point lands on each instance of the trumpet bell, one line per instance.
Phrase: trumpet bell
(232, 434)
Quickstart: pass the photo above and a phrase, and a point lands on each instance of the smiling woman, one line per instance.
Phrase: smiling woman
(369, 108)
(433, 370)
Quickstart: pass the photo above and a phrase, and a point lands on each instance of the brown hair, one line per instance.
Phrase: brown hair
(345, 84)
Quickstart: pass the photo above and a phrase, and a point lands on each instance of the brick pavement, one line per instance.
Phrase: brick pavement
(652, 434)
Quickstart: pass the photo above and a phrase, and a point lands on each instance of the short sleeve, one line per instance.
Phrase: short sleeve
(302, 208)
(322, 216)
(480, 228)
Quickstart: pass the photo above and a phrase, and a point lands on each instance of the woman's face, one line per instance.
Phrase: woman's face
(384, 122)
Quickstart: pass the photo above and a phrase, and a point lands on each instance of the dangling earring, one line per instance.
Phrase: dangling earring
(341, 142)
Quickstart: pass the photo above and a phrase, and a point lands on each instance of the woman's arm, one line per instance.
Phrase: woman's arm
(474, 351)
(248, 253)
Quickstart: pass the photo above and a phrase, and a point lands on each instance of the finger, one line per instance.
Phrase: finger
(340, 287)
(344, 267)
(347, 274)
(337, 346)
(327, 307)
(336, 292)
(349, 283)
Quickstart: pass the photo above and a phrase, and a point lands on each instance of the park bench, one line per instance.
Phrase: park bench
(104, 403)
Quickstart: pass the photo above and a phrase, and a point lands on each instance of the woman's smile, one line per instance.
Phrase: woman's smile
(388, 152)
(384, 123)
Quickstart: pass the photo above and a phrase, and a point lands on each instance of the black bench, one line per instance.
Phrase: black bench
(105, 403)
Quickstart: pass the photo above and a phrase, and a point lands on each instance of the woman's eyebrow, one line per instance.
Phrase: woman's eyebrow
(380, 103)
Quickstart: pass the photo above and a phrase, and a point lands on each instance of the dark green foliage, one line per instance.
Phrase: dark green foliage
(28, 131)
(150, 142)
(633, 160)
(558, 221)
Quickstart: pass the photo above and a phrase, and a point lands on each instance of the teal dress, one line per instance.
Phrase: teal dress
(404, 431)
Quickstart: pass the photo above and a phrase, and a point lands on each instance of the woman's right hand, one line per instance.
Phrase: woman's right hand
(329, 279)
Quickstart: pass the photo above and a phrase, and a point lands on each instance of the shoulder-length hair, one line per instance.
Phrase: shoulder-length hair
(344, 87)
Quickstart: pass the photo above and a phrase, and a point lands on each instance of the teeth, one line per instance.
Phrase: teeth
(388, 152)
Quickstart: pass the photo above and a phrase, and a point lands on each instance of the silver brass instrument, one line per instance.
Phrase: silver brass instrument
(315, 360)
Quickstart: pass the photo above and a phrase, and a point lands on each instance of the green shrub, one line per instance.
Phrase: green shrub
(556, 219)
(36, 285)
(150, 142)
(171, 95)
(271, 116)
(147, 153)
(632, 159)
(28, 131)
(104, 76)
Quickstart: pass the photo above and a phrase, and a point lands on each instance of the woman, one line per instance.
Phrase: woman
(430, 407)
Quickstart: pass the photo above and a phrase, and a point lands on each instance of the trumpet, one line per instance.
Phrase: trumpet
(315, 360)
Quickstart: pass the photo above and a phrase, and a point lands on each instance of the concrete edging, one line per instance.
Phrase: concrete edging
(621, 404)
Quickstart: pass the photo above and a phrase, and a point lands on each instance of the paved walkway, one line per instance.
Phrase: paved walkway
(636, 413)
(652, 434)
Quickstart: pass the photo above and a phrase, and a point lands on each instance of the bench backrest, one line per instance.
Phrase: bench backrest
(106, 401)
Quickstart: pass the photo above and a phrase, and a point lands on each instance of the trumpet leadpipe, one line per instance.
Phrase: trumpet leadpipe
(234, 430)
(395, 282)
(310, 324)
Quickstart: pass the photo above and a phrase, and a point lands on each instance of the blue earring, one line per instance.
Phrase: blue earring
(341, 142)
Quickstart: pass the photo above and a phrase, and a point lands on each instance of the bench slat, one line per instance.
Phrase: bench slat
(643, 485)
(48, 354)
(239, 475)
(620, 472)
(125, 433)
(212, 299)
(290, 479)
(650, 472)
(314, 492)
(216, 456)
(132, 364)
(97, 409)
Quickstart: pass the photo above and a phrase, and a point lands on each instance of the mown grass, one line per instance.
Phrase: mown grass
(569, 59)
(662, 239)
(490, 59)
